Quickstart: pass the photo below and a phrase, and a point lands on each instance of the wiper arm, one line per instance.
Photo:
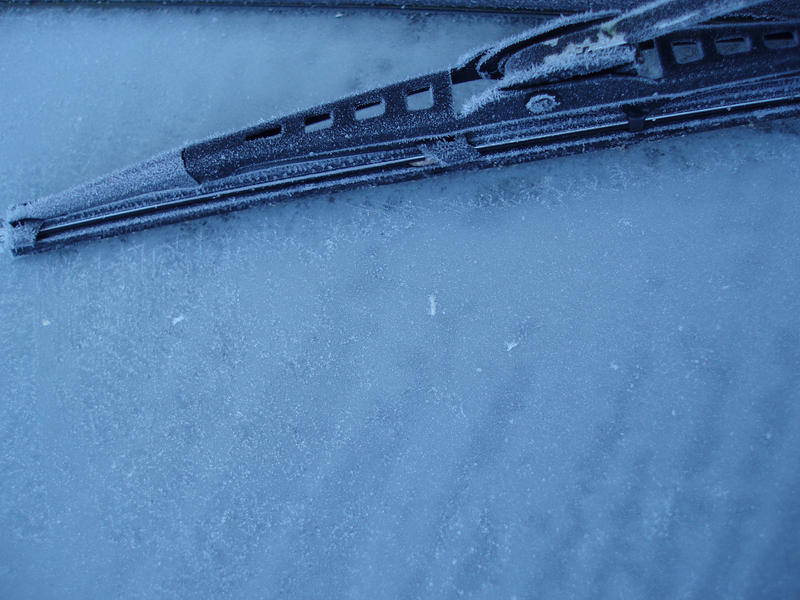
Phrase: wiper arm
(580, 82)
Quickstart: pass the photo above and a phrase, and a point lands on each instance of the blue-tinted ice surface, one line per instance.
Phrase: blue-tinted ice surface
(576, 378)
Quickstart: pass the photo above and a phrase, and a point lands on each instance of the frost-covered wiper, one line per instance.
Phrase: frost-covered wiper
(579, 82)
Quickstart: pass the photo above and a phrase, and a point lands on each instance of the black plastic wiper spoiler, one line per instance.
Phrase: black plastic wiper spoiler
(579, 82)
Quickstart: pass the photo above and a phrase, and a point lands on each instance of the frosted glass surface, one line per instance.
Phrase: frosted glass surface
(576, 378)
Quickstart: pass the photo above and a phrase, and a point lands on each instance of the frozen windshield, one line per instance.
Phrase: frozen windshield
(573, 378)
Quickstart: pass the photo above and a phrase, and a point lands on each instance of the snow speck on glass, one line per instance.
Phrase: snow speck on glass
(577, 378)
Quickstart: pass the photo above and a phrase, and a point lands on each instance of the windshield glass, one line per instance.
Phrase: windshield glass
(568, 378)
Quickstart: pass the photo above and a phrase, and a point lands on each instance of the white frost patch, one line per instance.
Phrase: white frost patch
(511, 345)
(478, 101)
(432, 305)
(589, 56)
(45, 322)
(541, 103)
(178, 319)
(613, 366)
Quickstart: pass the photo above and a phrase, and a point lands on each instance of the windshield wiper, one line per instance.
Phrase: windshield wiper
(578, 82)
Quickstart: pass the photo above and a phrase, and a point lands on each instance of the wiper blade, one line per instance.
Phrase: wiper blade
(581, 82)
